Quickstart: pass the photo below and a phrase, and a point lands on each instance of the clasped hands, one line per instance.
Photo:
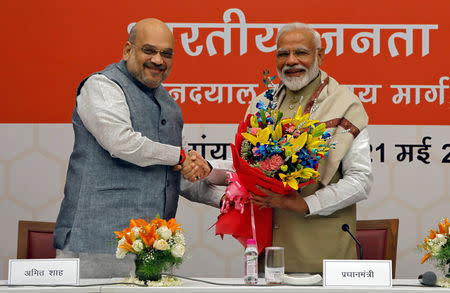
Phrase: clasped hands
(194, 168)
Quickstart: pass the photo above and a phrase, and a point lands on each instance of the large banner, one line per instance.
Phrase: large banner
(392, 54)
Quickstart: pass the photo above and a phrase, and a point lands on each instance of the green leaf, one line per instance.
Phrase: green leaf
(279, 116)
(263, 117)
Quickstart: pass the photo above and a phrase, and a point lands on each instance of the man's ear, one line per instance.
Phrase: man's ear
(127, 51)
(320, 56)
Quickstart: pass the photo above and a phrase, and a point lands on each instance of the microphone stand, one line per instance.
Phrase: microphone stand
(346, 228)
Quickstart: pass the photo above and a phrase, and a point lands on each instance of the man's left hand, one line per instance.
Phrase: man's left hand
(292, 201)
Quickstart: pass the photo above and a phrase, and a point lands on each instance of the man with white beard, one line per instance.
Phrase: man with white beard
(308, 223)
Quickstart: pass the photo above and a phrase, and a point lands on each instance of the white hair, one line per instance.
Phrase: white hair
(299, 26)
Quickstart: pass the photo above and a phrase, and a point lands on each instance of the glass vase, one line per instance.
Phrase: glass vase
(448, 270)
(144, 271)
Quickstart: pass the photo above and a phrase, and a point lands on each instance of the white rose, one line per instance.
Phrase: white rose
(177, 250)
(122, 241)
(179, 238)
(138, 245)
(135, 231)
(120, 252)
(440, 239)
(164, 232)
(160, 244)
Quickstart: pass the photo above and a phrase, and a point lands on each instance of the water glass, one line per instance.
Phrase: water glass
(274, 265)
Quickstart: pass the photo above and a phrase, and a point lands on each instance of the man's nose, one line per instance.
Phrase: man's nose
(292, 60)
(157, 59)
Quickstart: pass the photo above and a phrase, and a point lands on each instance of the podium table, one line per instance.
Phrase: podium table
(233, 286)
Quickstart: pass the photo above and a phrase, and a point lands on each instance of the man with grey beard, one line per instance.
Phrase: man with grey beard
(308, 223)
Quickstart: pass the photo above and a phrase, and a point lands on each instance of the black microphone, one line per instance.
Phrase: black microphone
(346, 228)
(428, 279)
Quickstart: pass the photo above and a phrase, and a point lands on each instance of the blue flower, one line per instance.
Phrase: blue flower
(269, 94)
(260, 105)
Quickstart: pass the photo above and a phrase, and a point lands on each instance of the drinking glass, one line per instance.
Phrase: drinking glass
(274, 265)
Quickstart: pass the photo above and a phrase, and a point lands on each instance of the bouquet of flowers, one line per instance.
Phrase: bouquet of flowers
(279, 154)
(437, 246)
(158, 245)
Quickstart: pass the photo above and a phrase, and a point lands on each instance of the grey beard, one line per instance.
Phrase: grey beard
(297, 83)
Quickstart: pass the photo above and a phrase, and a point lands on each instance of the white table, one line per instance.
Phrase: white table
(400, 285)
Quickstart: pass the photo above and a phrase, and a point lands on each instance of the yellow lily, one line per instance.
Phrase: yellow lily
(254, 121)
(299, 117)
(307, 173)
(262, 136)
(290, 179)
(300, 141)
(278, 132)
(315, 142)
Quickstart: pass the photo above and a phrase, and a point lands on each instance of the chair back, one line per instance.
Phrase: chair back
(378, 239)
(35, 240)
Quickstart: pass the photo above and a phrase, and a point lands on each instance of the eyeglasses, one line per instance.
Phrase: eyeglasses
(298, 53)
(152, 51)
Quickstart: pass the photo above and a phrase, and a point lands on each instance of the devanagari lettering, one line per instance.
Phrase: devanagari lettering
(365, 91)
(333, 34)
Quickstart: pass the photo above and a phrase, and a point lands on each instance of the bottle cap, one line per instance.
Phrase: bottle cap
(251, 242)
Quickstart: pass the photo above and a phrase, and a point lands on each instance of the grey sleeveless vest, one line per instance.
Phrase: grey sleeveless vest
(103, 193)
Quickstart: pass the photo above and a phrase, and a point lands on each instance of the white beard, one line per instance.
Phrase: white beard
(297, 83)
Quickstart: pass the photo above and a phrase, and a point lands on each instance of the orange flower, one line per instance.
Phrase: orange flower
(137, 223)
(158, 222)
(173, 225)
(119, 234)
(128, 247)
(444, 227)
(149, 236)
(128, 238)
(432, 234)
(147, 231)
(427, 256)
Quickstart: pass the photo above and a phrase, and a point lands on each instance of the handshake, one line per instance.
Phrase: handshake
(194, 168)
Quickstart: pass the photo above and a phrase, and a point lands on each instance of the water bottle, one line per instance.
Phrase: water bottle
(251, 263)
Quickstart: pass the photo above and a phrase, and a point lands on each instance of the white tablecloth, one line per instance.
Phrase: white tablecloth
(235, 285)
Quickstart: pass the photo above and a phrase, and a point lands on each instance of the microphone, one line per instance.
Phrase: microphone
(346, 228)
(428, 279)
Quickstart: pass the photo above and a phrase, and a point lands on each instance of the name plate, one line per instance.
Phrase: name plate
(60, 271)
(372, 273)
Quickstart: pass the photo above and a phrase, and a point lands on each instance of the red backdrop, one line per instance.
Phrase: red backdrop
(48, 47)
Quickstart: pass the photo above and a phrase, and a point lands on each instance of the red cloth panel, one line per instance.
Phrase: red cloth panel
(373, 243)
(40, 245)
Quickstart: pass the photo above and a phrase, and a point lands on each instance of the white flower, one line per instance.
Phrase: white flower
(135, 231)
(160, 244)
(122, 241)
(177, 250)
(138, 245)
(164, 232)
(440, 239)
(179, 238)
(120, 252)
